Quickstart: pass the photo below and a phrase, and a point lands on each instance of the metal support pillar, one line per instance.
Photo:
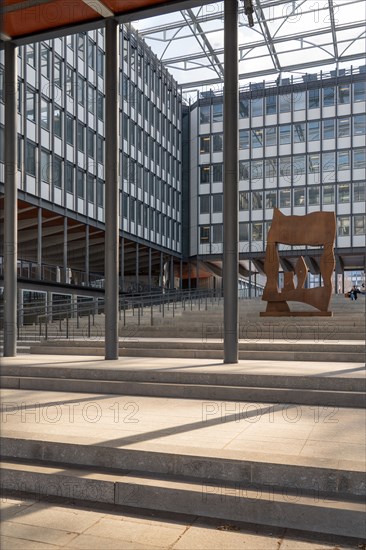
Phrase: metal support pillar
(65, 275)
(171, 276)
(189, 275)
(39, 243)
(149, 280)
(162, 270)
(122, 284)
(111, 189)
(230, 215)
(87, 255)
(20, 308)
(137, 267)
(10, 202)
(180, 275)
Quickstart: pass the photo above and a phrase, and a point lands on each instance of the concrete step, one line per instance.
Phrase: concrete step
(333, 392)
(204, 497)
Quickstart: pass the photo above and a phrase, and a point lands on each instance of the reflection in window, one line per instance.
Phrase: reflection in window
(217, 114)
(217, 143)
(217, 203)
(45, 114)
(205, 144)
(257, 106)
(257, 231)
(243, 139)
(343, 223)
(285, 198)
(299, 196)
(204, 114)
(69, 177)
(314, 130)
(217, 233)
(313, 195)
(359, 191)
(204, 234)
(329, 128)
(271, 168)
(343, 94)
(80, 184)
(243, 231)
(271, 199)
(257, 200)
(285, 167)
(328, 96)
(45, 61)
(271, 105)
(313, 99)
(30, 54)
(299, 97)
(257, 137)
(344, 126)
(45, 167)
(359, 158)
(314, 163)
(205, 173)
(30, 158)
(257, 169)
(328, 162)
(30, 104)
(243, 200)
(299, 132)
(343, 160)
(359, 91)
(285, 134)
(359, 224)
(359, 125)
(285, 103)
(243, 108)
(57, 172)
(299, 165)
(343, 192)
(243, 170)
(271, 136)
(217, 173)
(328, 194)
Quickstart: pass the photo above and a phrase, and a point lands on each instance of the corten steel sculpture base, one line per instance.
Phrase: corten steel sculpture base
(316, 229)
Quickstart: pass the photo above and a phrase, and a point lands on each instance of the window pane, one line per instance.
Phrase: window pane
(314, 131)
(299, 196)
(313, 195)
(329, 129)
(91, 99)
(271, 136)
(343, 192)
(217, 143)
(70, 130)
(285, 103)
(299, 97)
(344, 126)
(285, 134)
(358, 159)
(343, 223)
(344, 160)
(313, 99)
(271, 105)
(81, 137)
(343, 93)
(91, 181)
(45, 114)
(328, 162)
(359, 91)
(30, 105)
(299, 132)
(243, 139)
(271, 199)
(299, 165)
(243, 108)
(257, 200)
(217, 113)
(359, 191)
(45, 167)
(257, 169)
(217, 233)
(257, 137)
(257, 231)
(359, 125)
(69, 178)
(30, 158)
(217, 175)
(205, 204)
(314, 163)
(30, 54)
(243, 200)
(204, 234)
(204, 114)
(81, 90)
(359, 222)
(328, 96)
(57, 71)
(285, 198)
(243, 170)
(271, 168)
(243, 231)
(205, 174)
(328, 194)
(257, 106)
(57, 172)
(205, 144)
(45, 61)
(217, 203)
(285, 167)
(80, 184)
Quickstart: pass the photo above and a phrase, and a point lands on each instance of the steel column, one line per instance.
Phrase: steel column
(171, 276)
(111, 189)
(10, 202)
(230, 215)
(122, 284)
(87, 255)
(137, 267)
(39, 243)
(65, 251)
(150, 252)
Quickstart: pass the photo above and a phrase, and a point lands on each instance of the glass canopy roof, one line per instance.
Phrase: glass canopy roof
(288, 38)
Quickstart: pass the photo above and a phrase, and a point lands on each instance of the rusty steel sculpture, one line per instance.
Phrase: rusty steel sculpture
(315, 229)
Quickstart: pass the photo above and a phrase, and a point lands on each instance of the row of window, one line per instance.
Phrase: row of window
(285, 102)
(256, 200)
(257, 231)
(142, 214)
(86, 48)
(94, 102)
(290, 167)
(300, 132)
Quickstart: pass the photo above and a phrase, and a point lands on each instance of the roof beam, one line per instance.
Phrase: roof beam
(333, 28)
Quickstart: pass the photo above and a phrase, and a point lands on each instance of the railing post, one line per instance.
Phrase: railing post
(138, 314)
(89, 325)
(151, 314)
(67, 326)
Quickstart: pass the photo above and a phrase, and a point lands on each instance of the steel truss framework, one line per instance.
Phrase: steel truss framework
(289, 37)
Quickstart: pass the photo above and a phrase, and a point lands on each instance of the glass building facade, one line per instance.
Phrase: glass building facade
(301, 149)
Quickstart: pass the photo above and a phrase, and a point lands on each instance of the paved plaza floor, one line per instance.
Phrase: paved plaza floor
(278, 433)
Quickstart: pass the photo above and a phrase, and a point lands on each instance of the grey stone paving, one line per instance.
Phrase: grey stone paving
(51, 524)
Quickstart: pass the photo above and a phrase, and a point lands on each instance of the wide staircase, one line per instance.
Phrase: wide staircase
(270, 442)
(195, 330)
